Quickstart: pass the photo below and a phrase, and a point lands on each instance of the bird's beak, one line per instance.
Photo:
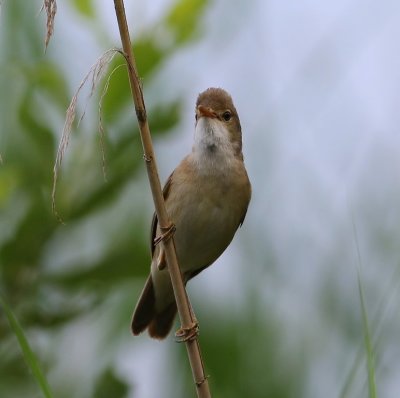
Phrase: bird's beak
(203, 111)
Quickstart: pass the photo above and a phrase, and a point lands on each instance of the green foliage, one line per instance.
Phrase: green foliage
(90, 271)
(182, 19)
(29, 356)
(109, 385)
(45, 274)
(85, 7)
(368, 342)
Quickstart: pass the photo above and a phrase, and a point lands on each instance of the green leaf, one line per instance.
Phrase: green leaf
(113, 269)
(39, 139)
(368, 342)
(50, 79)
(29, 355)
(148, 57)
(367, 334)
(164, 117)
(183, 19)
(85, 7)
(108, 385)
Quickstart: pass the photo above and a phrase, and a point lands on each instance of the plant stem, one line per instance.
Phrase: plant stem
(182, 301)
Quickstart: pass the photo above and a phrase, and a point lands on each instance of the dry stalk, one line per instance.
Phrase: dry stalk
(185, 314)
(101, 127)
(51, 8)
(94, 75)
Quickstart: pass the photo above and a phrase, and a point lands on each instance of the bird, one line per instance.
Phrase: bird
(206, 198)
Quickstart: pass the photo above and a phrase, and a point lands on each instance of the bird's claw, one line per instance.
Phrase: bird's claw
(190, 333)
(166, 233)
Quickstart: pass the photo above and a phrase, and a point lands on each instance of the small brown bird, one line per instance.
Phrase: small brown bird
(206, 198)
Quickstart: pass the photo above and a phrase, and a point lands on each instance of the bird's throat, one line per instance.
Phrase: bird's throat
(212, 150)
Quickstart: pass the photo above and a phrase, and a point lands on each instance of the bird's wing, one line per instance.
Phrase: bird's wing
(248, 201)
(243, 217)
(154, 222)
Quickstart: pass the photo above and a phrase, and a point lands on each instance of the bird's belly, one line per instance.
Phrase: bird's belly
(204, 232)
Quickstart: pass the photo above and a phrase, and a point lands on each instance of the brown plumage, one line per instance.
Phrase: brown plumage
(206, 198)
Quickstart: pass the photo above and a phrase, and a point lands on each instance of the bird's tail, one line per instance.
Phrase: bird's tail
(145, 315)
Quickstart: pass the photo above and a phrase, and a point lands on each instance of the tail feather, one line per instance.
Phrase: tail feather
(145, 308)
(145, 315)
(162, 322)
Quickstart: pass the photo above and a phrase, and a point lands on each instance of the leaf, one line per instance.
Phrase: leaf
(368, 342)
(148, 58)
(84, 7)
(114, 268)
(39, 148)
(367, 334)
(49, 78)
(183, 19)
(109, 385)
(164, 117)
(29, 355)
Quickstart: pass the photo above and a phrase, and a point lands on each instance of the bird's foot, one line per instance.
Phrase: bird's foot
(166, 233)
(187, 334)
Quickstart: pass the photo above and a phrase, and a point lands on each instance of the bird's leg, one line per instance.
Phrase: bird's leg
(189, 333)
(166, 233)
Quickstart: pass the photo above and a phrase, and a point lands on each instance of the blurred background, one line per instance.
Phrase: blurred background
(317, 87)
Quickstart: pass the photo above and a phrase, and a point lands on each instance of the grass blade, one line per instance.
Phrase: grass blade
(368, 343)
(367, 334)
(29, 355)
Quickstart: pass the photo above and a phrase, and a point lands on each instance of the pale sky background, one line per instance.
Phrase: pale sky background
(317, 88)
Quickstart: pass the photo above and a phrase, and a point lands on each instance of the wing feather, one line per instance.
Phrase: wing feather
(154, 221)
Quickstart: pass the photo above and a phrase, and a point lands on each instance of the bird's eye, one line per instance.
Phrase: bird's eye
(196, 116)
(227, 115)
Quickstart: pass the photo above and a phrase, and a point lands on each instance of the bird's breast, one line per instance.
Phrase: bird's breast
(206, 209)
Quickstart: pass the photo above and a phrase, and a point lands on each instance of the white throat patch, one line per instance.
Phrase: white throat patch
(210, 133)
(212, 146)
